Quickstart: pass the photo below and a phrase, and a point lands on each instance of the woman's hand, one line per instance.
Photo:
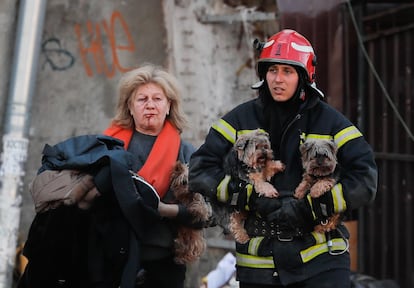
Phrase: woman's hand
(167, 210)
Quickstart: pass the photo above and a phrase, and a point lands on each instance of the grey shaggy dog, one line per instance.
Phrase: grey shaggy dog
(319, 163)
(251, 160)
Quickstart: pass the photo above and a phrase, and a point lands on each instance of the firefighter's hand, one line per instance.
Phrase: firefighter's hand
(324, 206)
(236, 185)
(264, 206)
(238, 192)
(293, 215)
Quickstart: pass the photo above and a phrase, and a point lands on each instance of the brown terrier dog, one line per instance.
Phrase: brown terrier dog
(251, 160)
(190, 243)
(319, 163)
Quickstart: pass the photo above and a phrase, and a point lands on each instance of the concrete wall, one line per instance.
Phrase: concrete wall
(88, 44)
(8, 20)
(210, 61)
(215, 64)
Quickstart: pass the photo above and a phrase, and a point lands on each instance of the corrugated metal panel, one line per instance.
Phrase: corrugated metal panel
(389, 40)
(318, 21)
(385, 237)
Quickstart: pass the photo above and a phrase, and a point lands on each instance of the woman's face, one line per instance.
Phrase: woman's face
(149, 108)
(282, 81)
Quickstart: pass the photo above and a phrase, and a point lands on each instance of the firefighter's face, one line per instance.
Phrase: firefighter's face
(283, 81)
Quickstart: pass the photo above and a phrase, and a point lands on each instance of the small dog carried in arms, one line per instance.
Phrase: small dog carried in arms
(190, 243)
(251, 160)
(319, 163)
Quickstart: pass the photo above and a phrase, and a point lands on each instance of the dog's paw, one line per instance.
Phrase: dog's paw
(266, 189)
(301, 190)
(279, 166)
(269, 194)
(242, 238)
(273, 167)
(299, 194)
(236, 227)
(321, 187)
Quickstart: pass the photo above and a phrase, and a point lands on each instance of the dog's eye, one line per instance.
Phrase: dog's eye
(262, 146)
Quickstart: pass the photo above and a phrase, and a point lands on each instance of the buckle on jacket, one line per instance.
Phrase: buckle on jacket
(287, 236)
(283, 236)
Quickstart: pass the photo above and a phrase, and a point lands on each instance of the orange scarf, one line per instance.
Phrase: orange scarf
(157, 169)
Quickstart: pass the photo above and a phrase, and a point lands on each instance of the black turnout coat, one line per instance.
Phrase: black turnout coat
(266, 260)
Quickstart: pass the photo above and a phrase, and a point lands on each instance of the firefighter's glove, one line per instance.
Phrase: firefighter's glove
(324, 206)
(239, 191)
(236, 185)
(265, 206)
(293, 215)
(185, 218)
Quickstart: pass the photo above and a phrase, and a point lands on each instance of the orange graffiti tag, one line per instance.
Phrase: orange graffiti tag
(96, 45)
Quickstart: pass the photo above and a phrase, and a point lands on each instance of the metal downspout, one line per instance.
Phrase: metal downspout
(15, 141)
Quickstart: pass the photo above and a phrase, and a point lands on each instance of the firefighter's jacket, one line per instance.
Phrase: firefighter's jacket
(268, 260)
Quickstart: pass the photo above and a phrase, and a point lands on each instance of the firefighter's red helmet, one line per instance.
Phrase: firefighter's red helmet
(288, 47)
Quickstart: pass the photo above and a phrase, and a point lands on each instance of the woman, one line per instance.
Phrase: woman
(149, 121)
(284, 250)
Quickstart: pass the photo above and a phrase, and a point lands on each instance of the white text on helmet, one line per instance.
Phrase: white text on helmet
(269, 43)
(301, 48)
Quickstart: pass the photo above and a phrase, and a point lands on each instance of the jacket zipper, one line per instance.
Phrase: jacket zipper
(297, 117)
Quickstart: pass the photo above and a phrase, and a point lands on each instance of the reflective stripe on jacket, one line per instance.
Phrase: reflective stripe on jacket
(300, 258)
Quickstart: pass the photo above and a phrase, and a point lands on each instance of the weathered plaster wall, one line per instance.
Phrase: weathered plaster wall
(8, 20)
(88, 44)
(214, 61)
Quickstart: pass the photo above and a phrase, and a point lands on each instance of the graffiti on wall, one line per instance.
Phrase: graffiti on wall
(98, 34)
(99, 45)
(56, 57)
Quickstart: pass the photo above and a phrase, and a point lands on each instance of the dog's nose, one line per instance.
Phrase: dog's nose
(320, 158)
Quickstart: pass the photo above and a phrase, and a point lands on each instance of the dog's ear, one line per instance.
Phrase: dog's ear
(179, 167)
(333, 146)
(231, 160)
(304, 147)
(241, 143)
(240, 146)
(261, 133)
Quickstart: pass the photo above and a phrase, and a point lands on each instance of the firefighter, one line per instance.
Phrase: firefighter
(284, 250)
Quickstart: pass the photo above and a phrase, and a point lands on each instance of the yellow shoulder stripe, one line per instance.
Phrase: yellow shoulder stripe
(226, 130)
